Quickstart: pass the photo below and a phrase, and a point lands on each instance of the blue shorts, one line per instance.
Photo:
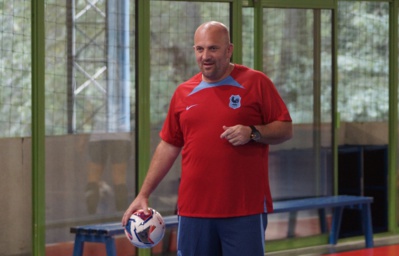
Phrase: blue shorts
(236, 236)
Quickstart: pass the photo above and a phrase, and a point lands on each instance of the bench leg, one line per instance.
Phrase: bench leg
(110, 246)
(367, 225)
(291, 224)
(322, 220)
(78, 246)
(335, 225)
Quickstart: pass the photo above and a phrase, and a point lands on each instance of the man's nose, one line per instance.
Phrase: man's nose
(206, 54)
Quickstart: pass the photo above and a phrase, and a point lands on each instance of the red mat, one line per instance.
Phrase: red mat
(391, 250)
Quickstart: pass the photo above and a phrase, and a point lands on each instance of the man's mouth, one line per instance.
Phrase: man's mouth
(207, 64)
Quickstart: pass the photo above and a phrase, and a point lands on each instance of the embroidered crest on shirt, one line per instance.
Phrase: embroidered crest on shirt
(235, 101)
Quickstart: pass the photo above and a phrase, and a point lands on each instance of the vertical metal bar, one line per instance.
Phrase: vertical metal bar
(393, 116)
(334, 98)
(258, 35)
(112, 91)
(124, 63)
(38, 128)
(118, 80)
(143, 123)
(70, 26)
(317, 97)
(236, 29)
(143, 89)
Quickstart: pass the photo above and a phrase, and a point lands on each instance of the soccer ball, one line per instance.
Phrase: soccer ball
(145, 231)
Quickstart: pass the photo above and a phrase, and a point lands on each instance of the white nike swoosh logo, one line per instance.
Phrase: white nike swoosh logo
(188, 107)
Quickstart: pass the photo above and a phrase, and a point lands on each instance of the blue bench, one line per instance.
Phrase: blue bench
(337, 203)
(104, 233)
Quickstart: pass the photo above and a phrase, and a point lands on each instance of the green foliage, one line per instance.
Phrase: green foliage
(363, 52)
(15, 69)
(288, 59)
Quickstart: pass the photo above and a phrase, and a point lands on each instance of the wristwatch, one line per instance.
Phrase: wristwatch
(255, 134)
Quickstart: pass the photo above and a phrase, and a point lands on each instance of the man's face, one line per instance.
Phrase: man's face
(212, 52)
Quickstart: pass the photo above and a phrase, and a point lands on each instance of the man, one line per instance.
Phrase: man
(223, 119)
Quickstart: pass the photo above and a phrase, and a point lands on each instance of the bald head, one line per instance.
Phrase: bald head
(213, 27)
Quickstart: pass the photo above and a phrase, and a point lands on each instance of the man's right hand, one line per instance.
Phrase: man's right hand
(139, 203)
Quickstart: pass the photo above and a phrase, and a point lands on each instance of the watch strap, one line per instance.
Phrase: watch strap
(255, 134)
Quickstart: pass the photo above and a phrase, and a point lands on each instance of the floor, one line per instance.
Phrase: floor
(389, 250)
(383, 246)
